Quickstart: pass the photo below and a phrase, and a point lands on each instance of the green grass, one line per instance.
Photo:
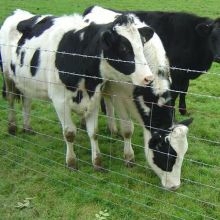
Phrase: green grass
(33, 166)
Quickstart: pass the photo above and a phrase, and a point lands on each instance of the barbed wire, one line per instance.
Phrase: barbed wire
(117, 185)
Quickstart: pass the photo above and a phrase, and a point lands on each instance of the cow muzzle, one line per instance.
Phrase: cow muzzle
(148, 80)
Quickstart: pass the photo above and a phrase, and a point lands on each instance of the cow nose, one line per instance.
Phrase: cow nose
(173, 188)
(148, 80)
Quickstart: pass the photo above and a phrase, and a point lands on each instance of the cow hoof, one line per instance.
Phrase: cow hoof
(12, 129)
(113, 130)
(183, 111)
(72, 165)
(129, 163)
(100, 169)
(29, 130)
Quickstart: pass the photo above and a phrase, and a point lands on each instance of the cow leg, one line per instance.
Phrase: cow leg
(127, 129)
(69, 132)
(10, 93)
(92, 126)
(182, 99)
(112, 126)
(26, 115)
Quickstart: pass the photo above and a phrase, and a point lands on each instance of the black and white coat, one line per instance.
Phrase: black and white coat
(39, 55)
(165, 142)
(191, 42)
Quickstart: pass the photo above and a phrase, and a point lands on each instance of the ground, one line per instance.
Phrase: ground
(32, 166)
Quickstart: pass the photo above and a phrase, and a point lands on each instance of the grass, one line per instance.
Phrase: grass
(33, 165)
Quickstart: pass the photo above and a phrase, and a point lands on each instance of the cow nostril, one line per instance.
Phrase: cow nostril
(173, 188)
(147, 80)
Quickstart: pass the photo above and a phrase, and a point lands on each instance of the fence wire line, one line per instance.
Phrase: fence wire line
(144, 182)
(71, 185)
(113, 157)
(117, 158)
(94, 186)
(114, 139)
(103, 79)
(117, 119)
(108, 59)
(204, 113)
(121, 141)
(114, 184)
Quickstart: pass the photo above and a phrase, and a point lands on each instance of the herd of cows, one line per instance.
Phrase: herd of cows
(123, 57)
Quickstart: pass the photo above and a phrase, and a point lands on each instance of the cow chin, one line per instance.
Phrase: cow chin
(170, 181)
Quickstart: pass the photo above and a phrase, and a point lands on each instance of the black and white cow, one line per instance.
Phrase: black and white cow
(39, 55)
(165, 142)
(191, 42)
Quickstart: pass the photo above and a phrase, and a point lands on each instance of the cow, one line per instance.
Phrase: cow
(153, 51)
(191, 42)
(68, 61)
(165, 142)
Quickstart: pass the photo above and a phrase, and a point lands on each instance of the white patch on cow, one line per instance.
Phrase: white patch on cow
(160, 85)
(162, 101)
(143, 105)
(81, 36)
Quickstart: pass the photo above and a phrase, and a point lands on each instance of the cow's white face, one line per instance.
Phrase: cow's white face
(165, 154)
(124, 41)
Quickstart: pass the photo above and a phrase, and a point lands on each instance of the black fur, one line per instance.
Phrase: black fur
(13, 68)
(31, 28)
(78, 97)
(35, 61)
(22, 58)
(164, 154)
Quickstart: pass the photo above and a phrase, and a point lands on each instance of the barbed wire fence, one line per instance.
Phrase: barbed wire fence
(23, 152)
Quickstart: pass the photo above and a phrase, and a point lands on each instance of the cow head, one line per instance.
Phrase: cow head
(123, 41)
(165, 152)
(212, 31)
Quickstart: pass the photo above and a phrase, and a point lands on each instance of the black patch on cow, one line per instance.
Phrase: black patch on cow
(121, 50)
(164, 155)
(22, 58)
(35, 62)
(13, 68)
(88, 10)
(160, 117)
(158, 121)
(72, 68)
(97, 39)
(1, 65)
(78, 97)
(31, 28)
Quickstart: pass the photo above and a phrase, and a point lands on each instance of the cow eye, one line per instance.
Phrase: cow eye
(124, 49)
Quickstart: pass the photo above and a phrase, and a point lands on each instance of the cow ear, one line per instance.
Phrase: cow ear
(107, 39)
(146, 33)
(203, 29)
(155, 140)
(186, 122)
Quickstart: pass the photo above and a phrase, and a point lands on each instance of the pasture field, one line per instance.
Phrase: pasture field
(32, 166)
